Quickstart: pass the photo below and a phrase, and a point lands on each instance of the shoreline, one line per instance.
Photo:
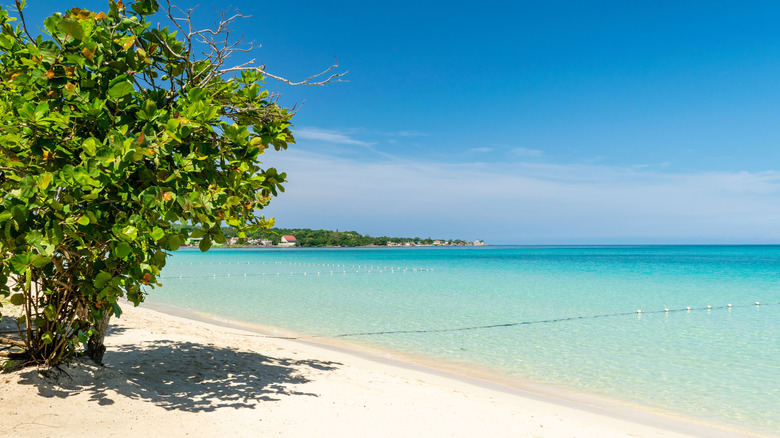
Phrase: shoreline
(188, 374)
(486, 379)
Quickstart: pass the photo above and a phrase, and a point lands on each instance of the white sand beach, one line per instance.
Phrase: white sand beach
(170, 376)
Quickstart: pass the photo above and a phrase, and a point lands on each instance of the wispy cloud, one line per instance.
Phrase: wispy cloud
(525, 152)
(330, 136)
(528, 202)
(412, 133)
(481, 149)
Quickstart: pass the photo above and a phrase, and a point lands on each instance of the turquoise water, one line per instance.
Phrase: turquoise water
(561, 315)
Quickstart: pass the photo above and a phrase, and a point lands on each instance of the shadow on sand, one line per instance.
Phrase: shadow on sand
(183, 376)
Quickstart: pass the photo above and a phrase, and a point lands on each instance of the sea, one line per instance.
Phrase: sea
(689, 330)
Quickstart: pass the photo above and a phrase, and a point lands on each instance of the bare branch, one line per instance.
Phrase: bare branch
(13, 342)
(311, 80)
(21, 16)
(219, 48)
(15, 170)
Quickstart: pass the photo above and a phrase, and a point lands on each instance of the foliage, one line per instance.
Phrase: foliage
(110, 132)
(318, 238)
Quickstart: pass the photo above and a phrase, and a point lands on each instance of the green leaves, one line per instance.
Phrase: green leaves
(21, 262)
(101, 278)
(129, 233)
(47, 338)
(90, 146)
(33, 114)
(205, 244)
(70, 27)
(120, 87)
(98, 162)
(122, 250)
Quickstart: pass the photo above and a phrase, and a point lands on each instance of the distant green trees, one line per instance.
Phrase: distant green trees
(319, 238)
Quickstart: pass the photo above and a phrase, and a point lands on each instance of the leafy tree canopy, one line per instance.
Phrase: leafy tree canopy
(111, 131)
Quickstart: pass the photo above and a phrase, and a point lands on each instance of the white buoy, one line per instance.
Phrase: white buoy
(638, 311)
(757, 303)
(666, 310)
(729, 305)
(688, 308)
(709, 307)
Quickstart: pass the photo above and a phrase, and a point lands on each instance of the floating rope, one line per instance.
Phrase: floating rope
(305, 273)
(514, 324)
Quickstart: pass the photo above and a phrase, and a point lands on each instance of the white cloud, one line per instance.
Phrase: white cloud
(480, 150)
(329, 136)
(411, 133)
(525, 152)
(527, 202)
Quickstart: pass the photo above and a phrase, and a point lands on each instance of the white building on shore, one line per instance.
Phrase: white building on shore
(288, 241)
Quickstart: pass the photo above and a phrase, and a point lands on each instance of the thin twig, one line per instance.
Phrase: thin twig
(21, 16)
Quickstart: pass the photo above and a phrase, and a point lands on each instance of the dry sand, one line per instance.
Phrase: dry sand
(170, 376)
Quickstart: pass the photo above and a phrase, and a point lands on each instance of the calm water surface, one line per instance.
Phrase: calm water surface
(562, 315)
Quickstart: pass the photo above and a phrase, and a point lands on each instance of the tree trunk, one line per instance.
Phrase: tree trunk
(95, 347)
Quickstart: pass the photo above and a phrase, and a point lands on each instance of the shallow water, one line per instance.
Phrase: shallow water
(562, 315)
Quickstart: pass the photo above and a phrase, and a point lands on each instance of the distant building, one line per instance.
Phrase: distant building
(288, 241)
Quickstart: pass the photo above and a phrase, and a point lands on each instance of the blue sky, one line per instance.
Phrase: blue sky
(525, 122)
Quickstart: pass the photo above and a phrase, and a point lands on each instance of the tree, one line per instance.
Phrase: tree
(111, 132)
